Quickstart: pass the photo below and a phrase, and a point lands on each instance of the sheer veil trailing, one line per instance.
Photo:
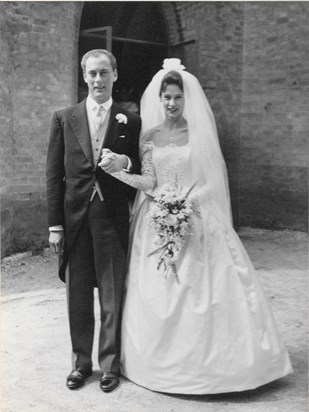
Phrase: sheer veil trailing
(209, 170)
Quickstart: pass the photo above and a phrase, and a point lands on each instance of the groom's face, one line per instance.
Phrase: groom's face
(100, 77)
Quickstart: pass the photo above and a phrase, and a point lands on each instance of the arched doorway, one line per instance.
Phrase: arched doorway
(136, 35)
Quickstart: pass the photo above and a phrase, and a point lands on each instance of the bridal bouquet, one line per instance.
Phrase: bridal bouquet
(171, 221)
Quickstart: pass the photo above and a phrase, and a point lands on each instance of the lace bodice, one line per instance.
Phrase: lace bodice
(160, 165)
(171, 162)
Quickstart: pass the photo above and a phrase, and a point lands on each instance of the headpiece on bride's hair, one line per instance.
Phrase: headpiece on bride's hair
(208, 163)
(173, 64)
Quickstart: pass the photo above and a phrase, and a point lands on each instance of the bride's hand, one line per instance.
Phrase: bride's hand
(106, 158)
(112, 162)
(193, 198)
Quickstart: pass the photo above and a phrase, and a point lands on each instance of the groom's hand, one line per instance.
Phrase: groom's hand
(115, 163)
(56, 241)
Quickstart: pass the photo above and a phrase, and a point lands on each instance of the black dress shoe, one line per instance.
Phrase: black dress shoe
(77, 378)
(109, 381)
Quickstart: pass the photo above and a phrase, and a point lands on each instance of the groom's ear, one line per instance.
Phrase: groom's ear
(115, 75)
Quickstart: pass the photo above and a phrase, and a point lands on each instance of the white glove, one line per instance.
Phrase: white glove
(107, 157)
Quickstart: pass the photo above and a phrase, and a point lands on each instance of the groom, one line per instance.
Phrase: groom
(89, 216)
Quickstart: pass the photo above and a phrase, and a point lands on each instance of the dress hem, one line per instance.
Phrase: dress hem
(226, 390)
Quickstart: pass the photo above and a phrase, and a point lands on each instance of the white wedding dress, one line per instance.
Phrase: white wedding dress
(210, 333)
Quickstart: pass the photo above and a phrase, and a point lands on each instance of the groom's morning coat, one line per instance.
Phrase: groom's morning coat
(71, 171)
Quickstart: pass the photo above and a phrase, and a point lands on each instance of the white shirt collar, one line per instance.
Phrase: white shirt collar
(93, 105)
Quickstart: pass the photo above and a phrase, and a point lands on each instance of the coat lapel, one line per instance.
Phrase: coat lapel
(112, 131)
(79, 122)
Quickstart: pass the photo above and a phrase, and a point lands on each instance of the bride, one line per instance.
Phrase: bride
(207, 330)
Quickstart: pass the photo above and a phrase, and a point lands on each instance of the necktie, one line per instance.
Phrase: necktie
(99, 117)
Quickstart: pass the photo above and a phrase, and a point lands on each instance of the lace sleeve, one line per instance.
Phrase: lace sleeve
(147, 180)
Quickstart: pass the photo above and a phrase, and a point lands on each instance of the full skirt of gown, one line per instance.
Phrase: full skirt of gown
(211, 332)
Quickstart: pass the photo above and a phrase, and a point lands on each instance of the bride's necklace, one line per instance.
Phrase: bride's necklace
(175, 135)
(172, 138)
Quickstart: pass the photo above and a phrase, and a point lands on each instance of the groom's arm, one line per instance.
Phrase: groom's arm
(55, 174)
(55, 185)
(134, 148)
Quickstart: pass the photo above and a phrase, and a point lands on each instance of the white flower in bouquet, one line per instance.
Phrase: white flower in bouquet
(171, 220)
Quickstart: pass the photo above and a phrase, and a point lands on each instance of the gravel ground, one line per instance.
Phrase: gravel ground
(36, 344)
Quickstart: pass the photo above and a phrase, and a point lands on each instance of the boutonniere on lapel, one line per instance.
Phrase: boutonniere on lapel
(121, 119)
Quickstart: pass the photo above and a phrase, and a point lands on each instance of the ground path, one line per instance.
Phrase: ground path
(36, 346)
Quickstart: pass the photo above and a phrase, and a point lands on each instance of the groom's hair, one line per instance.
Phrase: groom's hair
(172, 77)
(98, 53)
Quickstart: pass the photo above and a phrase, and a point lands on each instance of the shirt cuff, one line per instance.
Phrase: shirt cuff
(57, 228)
(129, 165)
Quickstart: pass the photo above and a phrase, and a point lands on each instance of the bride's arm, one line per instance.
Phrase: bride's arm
(147, 180)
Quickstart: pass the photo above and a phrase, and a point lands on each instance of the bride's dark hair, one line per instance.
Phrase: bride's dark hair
(172, 77)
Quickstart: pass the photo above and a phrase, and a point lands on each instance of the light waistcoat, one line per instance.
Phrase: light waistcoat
(97, 135)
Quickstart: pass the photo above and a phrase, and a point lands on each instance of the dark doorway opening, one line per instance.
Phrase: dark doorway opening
(135, 33)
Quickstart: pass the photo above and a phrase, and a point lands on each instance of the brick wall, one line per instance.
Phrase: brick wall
(273, 171)
(251, 59)
(208, 37)
(39, 43)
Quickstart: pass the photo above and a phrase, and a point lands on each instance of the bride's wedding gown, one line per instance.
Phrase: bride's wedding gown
(213, 331)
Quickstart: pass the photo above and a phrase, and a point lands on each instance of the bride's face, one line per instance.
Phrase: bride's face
(173, 102)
